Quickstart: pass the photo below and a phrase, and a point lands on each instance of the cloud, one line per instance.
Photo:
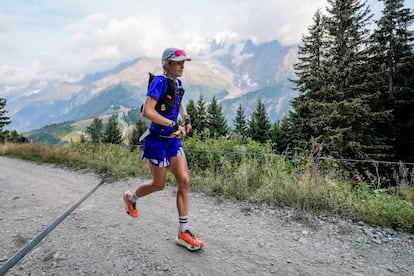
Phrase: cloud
(285, 21)
(12, 76)
(78, 37)
(6, 24)
(99, 40)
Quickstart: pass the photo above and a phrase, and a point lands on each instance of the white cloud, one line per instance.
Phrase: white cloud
(285, 21)
(12, 77)
(77, 36)
(99, 40)
(6, 23)
(102, 40)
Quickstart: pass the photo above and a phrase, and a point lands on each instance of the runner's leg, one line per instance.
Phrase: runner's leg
(179, 168)
(157, 184)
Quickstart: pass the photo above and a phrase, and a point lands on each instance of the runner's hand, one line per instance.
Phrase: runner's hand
(188, 127)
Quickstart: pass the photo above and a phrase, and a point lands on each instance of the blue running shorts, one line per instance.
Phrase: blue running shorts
(158, 149)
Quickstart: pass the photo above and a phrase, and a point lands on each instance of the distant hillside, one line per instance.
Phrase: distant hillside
(235, 73)
(67, 132)
(52, 134)
(111, 99)
(275, 98)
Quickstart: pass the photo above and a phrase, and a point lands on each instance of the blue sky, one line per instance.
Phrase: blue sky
(62, 38)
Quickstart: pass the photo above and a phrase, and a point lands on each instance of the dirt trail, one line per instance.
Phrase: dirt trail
(98, 238)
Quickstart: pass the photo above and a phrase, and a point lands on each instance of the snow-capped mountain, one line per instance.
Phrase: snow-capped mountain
(235, 72)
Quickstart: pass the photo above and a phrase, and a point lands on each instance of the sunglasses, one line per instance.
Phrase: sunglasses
(177, 53)
(180, 53)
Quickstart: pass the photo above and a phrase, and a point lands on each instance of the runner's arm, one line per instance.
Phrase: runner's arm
(151, 114)
(186, 117)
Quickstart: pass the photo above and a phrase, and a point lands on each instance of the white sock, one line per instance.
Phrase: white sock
(133, 197)
(183, 223)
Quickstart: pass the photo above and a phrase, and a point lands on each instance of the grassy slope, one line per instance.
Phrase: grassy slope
(248, 172)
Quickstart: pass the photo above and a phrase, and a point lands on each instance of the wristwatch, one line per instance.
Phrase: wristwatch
(174, 125)
(187, 119)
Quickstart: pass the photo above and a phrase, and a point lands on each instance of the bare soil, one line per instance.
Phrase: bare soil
(98, 238)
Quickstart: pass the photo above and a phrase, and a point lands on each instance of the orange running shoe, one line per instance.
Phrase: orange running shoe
(130, 207)
(188, 240)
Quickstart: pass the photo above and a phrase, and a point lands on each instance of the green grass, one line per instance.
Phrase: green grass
(248, 171)
(110, 161)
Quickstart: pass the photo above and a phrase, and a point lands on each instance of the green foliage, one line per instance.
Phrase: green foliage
(112, 160)
(112, 134)
(43, 153)
(51, 134)
(209, 153)
(109, 160)
(198, 115)
(13, 135)
(249, 171)
(192, 112)
(95, 130)
(347, 85)
(4, 120)
(277, 137)
(45, 138)
(216, 122)
(240, 123)
(378, 207)
(140, 127)
(111, 99)
(393, 64)
(259, 124)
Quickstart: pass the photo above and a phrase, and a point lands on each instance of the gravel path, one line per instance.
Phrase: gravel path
(98, 238)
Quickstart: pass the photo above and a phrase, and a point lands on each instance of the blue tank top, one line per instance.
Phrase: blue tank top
(158, 90)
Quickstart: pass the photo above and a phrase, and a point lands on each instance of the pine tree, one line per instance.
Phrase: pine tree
(199, 120)
(4, 121)
(301, 125)
(95, 130)
(215, 120)
(278, 137)
(240, 123)
(393, 62)
(259, 123)
(14, 135)
(192, 112)
(140, 127)
(287, 131)
(337, 102)
(112, 134)
(347, 112)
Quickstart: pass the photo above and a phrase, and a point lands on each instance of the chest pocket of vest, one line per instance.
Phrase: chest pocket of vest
(166, 103)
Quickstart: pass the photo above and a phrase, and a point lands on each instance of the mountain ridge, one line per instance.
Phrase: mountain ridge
(231, 72)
